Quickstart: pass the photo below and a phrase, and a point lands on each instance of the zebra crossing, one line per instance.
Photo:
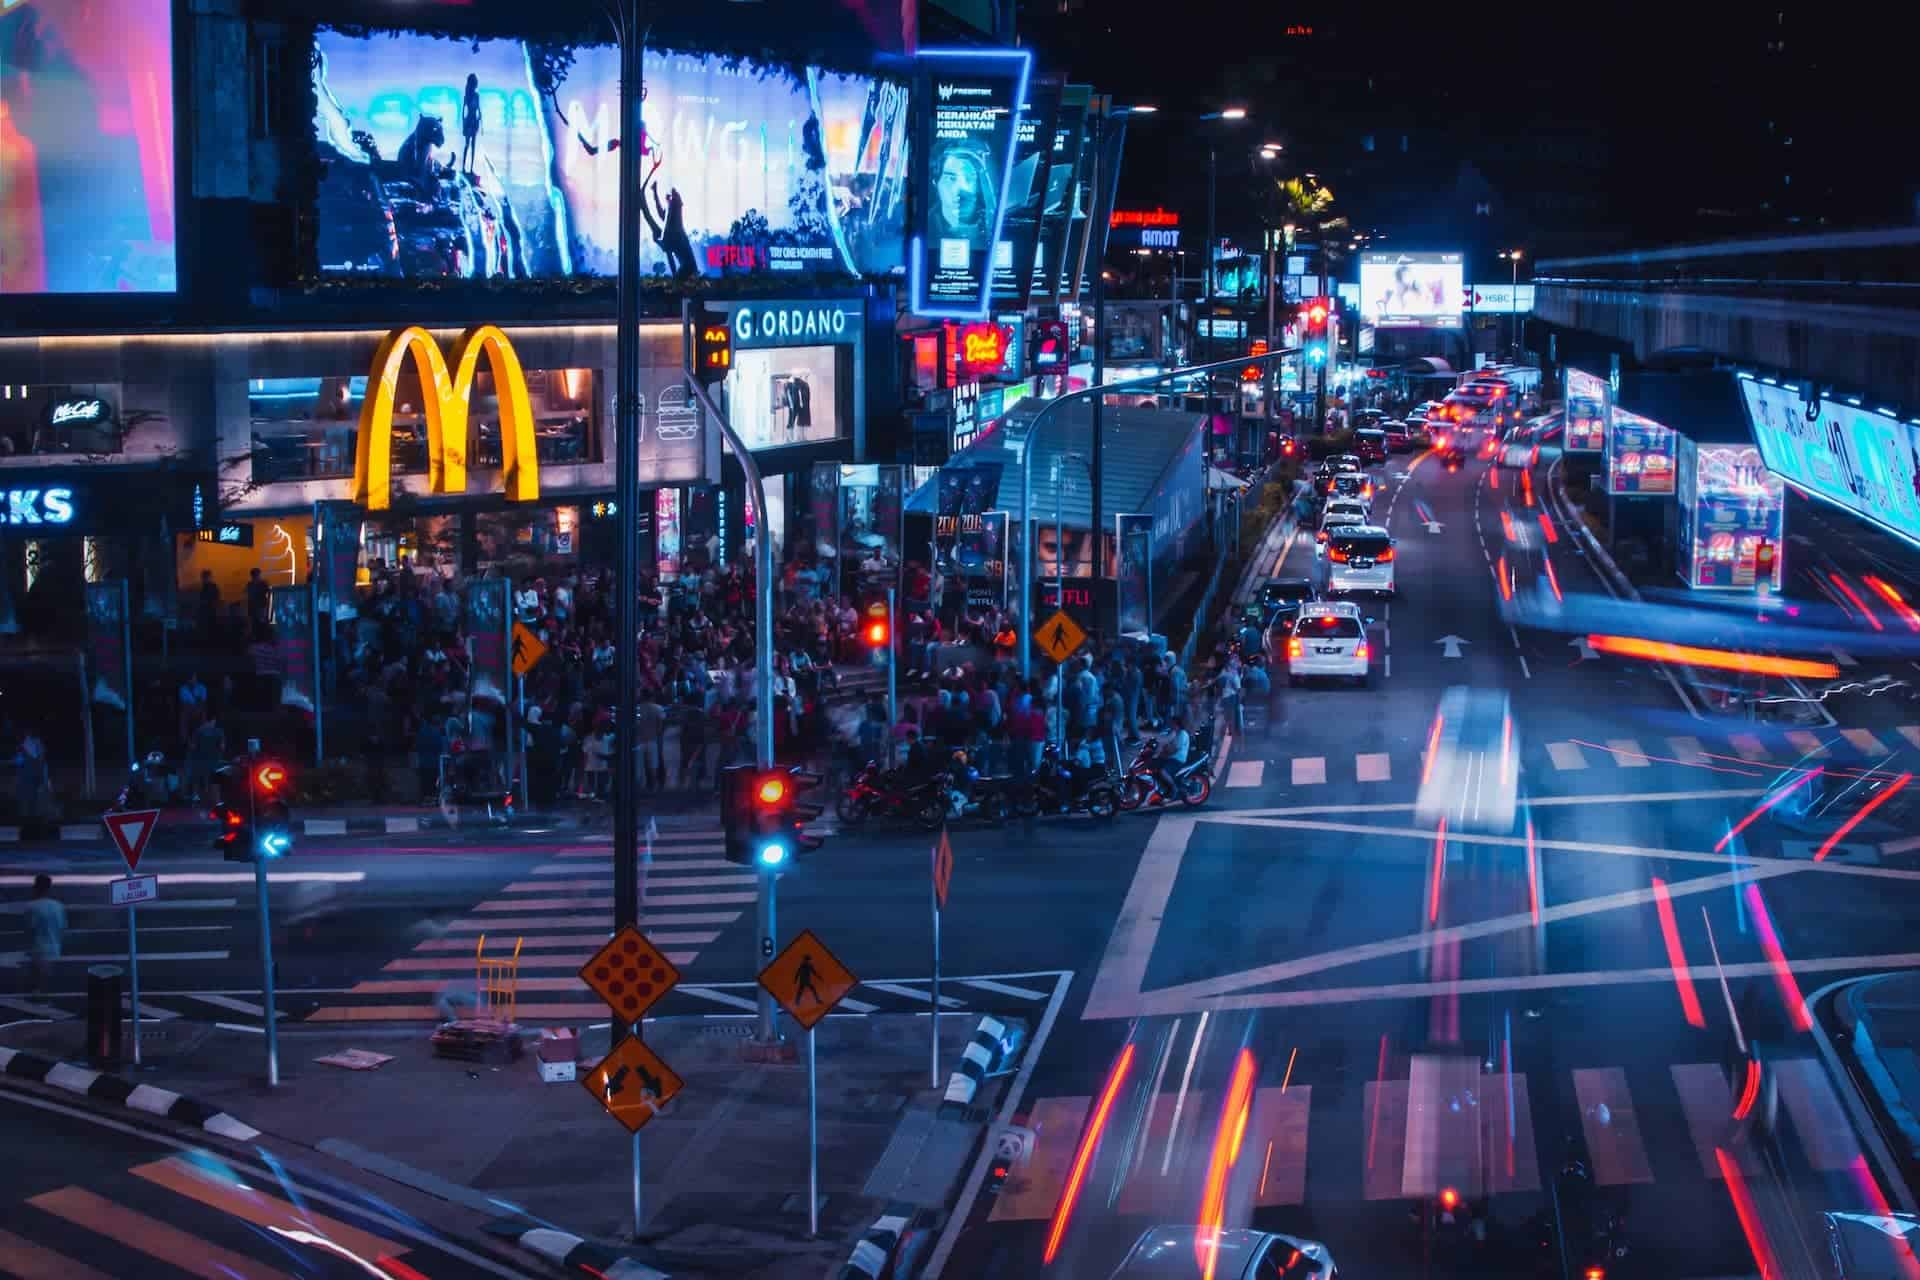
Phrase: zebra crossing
(1451, 1123)
(1746, 754)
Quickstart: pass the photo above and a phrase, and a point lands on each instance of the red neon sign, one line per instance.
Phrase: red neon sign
(1145, 218)
(983, 346)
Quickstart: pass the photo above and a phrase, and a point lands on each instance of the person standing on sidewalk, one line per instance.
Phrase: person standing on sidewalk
(46, 928)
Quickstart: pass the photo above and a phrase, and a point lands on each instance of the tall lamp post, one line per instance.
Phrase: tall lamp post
(1512, 257)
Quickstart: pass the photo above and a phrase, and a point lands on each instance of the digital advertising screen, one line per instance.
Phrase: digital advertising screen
(1412, 290)
(1640, 455)
(1063, 182)
(1586, 426)
(86, 147)
(445, 158)
(974, 102)
(1867, 462)
(1730, 505)
(1026, 194)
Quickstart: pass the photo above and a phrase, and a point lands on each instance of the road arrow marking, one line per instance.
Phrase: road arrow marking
(1434, 526)
(1584, 646)
(1452, 644)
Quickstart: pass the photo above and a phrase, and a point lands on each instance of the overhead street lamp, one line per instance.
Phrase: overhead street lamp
(1512, 256)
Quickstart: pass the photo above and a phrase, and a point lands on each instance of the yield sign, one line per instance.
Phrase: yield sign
(129, 832)
(942, 869)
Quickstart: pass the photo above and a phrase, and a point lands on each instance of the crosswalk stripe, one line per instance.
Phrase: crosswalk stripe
(1309, 770)
(1003, 988)
(233, 1005)
(1688, 749)
(1817, 1117)
(1513, 1158)
(676, 863)
(156, 1239)
(1748, 746)
(1246, 773)
(570, 961)
(1031, 1194)
(1626, 753)
(1444, 1147)
(22, 1257)
(148, 957)
(251, 1204)
(1808, 744)
(720, 997)
(1619, 1156)
(648, 920)
(1279, 1143)
(1707, 1103)
(655, 879)
(1911, 732)
(433, 986)
(582, 1011)
(146, 1010)
(911, 993)
(667, 900)
(33, 1010)
(1373, 766)
(590, 938)
(1863, 742)
(1566, 756)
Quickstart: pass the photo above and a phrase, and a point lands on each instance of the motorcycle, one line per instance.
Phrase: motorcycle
(151, 784)
(888, 793)
(1140, 787)
(970, 794)
(1059, 787)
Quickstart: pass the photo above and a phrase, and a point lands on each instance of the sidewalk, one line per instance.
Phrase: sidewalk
(725, 1165)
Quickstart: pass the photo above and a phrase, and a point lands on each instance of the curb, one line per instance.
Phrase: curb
(20, 1065)
(563, 1249)
(873, 1255)
(976, 1060)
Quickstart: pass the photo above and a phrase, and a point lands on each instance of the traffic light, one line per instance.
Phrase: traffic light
(1314, 314)
(234, 839)
(877, 630)
(712, 344)
(763, 818)
(272, 823)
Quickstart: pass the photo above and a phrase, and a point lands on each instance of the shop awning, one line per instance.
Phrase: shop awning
(1138, 448)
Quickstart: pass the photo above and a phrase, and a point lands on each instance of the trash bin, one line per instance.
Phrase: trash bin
(103, 1014)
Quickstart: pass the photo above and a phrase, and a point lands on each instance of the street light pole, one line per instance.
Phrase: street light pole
(1206, 300)
(626, 879)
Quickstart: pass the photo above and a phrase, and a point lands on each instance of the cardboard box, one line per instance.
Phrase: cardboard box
(558, 1055)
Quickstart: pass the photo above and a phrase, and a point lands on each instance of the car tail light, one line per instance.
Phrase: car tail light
(1337, 556)
(1360, 651)
(1384, 557)
(1293, 646)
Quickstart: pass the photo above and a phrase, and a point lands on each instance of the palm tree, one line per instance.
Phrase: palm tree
(1307, 200)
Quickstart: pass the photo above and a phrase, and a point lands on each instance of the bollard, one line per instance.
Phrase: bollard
(103, 1015)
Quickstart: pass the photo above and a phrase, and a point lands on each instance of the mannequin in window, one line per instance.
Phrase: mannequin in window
(796, 398)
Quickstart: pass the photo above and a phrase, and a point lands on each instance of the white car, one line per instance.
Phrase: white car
(1236, 1253)
(1358, 558)
(1329, 522)
(1471, 777)
(1329, 639)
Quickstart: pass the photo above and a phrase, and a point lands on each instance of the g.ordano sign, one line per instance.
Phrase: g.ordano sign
(795, 324)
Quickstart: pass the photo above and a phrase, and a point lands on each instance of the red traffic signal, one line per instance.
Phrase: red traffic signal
(877, 634)
(772, 791)
(877, 630)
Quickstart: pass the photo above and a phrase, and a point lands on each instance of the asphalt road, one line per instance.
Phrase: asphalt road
(88, 1197)
(1312, 1017)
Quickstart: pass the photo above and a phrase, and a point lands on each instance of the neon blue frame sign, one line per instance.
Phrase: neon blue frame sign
(1022, 60)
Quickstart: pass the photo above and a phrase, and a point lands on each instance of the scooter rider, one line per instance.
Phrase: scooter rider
(1170, 757)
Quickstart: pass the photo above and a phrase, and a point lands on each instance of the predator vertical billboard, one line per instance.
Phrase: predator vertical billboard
(974, 99)
(461, 158)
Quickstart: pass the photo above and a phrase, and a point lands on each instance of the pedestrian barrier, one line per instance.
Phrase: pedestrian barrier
(979, 1058)
(873, 1255)
(572, 1253)
(21, 1065)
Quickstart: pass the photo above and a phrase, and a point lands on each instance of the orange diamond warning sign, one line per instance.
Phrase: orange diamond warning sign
(632, 1083)
(807, 979)
(630, 974)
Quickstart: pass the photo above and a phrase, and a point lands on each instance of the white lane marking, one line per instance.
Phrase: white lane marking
(1749, 747)
(1246, 773)
(1123, 966)
(1809, 744)
(911, 993)
(1525, 670)
(1309, 770)
(1005, 989)
(1688, 750)
(146, 1010)
(202, 877)
(1373, 766)
(1566, 756)
(1626, 753)
(1863, 742)
(33, 1010)
(720, 997)
(1911, 732)
(234, 1005)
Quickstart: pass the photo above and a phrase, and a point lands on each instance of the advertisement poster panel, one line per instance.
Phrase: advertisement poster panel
(1133, 534)
(293, 640)
(981, 551)
(1026, 194)
(336, 564)
(489, 616)
(1103, 184)
(974, 101)
(1866, 462)
(823, 508)
(1412, 290)
(108, 652)
(498, 158)
(1587, 400)
(1640, 454)
(1730, 505)
(964, 492)
(86, 147)
(1063, 183)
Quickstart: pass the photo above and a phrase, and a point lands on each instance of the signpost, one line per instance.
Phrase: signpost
(129, 832)
(939, 882)
(807, 980)
(632, 1083)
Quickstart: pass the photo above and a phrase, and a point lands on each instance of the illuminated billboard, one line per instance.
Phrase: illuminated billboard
(1063, 175)
(1640, 455)
(1412, 290)
(1867, 462)
(444, 158)
(974, 102)
(1731, 507)
(86, 147)
(1026, 194)
(1586, 413)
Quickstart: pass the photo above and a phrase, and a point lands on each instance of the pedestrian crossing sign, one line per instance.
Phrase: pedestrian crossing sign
(1059, 636)
(633, 1083)
(807, 980)
(527, 649)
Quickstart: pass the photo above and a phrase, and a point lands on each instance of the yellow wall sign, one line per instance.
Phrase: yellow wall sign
(446, 395)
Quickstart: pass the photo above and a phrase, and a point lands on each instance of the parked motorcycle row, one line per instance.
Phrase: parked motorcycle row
(960, 792)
